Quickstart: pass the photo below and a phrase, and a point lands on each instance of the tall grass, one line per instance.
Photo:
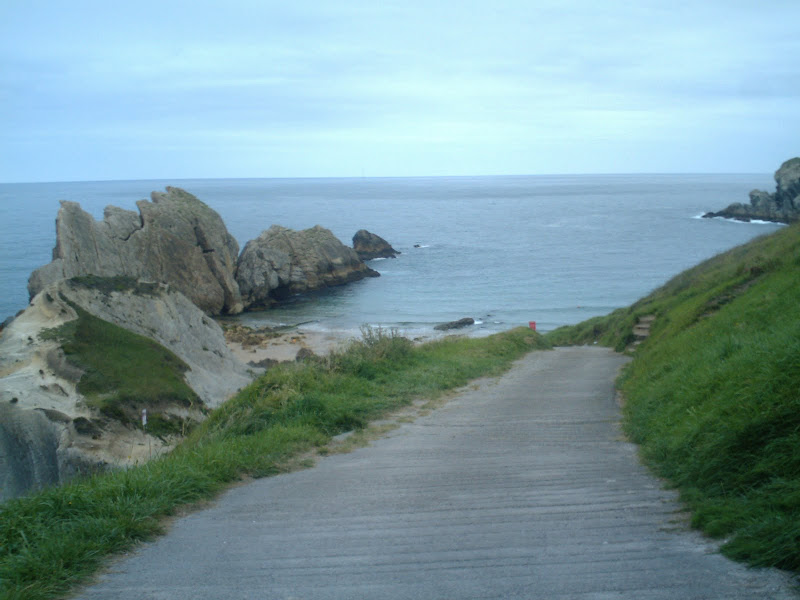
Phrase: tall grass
(716, 409)
(52, 540)
(713, 395)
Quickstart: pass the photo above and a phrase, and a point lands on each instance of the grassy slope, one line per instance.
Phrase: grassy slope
(123, 371)
(713, 395)
(56, 538)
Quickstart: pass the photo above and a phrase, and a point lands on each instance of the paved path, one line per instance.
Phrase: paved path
(521, 488)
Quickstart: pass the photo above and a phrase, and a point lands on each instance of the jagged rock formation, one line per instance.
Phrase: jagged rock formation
(369, 246)
(782, 207)
(176, 239)
(48, 432)
(281, 262)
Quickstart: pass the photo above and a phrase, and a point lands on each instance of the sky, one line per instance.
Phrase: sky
(158, 89)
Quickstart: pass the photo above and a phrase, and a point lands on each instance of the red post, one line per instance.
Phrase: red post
(532, 325)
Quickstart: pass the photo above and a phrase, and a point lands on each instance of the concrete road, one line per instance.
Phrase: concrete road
(520, 487)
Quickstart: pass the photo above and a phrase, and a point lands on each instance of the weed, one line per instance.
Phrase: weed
(120, 283)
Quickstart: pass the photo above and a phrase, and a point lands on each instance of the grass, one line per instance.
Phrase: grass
(55, 539)
(119, 283)
(124, 372)
(713, 395)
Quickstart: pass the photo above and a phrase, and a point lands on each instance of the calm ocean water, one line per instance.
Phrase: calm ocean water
(503, 250)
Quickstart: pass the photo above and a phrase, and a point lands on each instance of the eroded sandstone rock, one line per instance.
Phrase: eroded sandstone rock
(175, 239)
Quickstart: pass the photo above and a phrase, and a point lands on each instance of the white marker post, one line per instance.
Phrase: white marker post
(144, 427)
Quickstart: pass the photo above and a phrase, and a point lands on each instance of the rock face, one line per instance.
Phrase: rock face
(48, 432)
(28, 451)
(782, 207)
(281, 262)
(175, 239)
(368, 246)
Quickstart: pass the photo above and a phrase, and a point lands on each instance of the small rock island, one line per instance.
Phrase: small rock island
(369, 246)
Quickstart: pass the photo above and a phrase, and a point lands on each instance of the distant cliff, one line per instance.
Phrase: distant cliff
(781, 207)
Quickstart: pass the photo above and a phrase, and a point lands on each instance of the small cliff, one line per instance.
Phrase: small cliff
(281, 262)
(52, 428)
(781, 207)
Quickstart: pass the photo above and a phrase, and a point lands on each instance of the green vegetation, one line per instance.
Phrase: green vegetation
(54, 539)
(713, 395)
(124, 372)
(119, 283)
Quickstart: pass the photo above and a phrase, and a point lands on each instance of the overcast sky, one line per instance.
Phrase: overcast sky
(144, 89)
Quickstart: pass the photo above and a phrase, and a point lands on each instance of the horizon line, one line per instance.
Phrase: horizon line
(357, 177)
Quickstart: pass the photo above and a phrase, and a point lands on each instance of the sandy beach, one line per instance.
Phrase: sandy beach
(260, 345)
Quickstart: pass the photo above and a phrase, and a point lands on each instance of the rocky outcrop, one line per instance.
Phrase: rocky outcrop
(460, 324)
(48, 431)
(28, 451)
(369, 246)
(281, 262)
(175, 239)
(782, 207)
(178, 240)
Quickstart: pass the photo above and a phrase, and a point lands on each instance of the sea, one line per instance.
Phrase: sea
(504, 250)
